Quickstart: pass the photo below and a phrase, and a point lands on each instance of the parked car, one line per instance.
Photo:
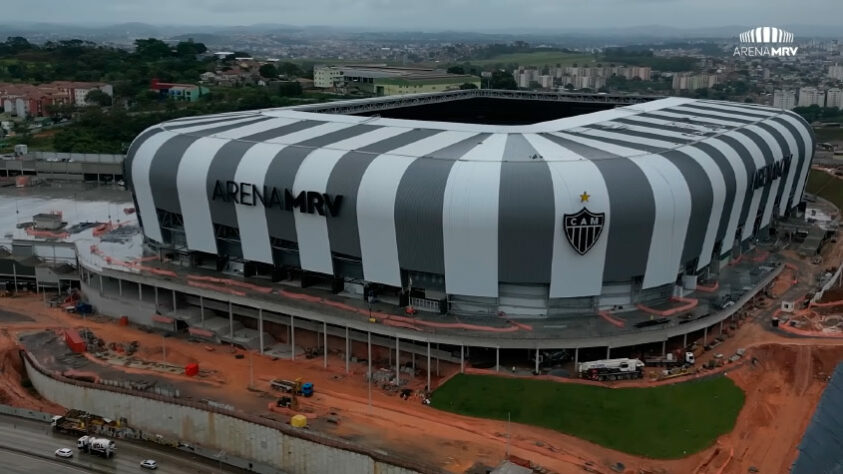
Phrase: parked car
(149, 464)
(64, 453)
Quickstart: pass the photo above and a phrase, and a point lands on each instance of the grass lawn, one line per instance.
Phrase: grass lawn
(538, 58)
(826, 186)
(668, 421)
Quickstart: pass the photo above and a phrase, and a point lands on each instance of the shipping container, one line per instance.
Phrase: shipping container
(74, 341)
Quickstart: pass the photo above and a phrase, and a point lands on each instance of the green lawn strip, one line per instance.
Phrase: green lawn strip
(826, 186)
(668, 421)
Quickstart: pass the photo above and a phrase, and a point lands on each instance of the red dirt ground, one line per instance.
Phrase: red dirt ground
(782, 389)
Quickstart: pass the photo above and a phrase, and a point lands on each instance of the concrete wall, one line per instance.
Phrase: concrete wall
(138, 312)
(264, 442)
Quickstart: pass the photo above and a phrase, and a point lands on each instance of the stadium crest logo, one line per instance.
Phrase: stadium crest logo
(766, 41)
(583, 228)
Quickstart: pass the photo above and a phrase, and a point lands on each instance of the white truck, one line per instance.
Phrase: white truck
(611, 369)
(93, 445)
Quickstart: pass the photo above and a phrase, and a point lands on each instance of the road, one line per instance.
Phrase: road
(37, 438)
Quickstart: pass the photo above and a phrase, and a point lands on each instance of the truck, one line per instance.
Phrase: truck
(92, 445)
(296, 387)
(611, 369)
(73, 422)
(670, 360)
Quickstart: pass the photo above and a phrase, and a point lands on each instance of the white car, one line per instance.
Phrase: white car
(149, 464)
(64, 453)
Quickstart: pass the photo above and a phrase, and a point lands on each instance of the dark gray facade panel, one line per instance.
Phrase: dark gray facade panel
(731, 185)
(127, 166)
(812, 144)
(693, 114)
(343, 231)
(174, 127)
(797, 160)
(282, 174)
(749, 166)
(667, 128)
(163, 170)
(632, 211)
(419, 205)
(641, 134)
(702, 202)
(749, 114)
(526, 218)
(769, 159)
(779, 192)
(224, 168)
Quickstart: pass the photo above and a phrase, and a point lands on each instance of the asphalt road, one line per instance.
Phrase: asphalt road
(37, 438)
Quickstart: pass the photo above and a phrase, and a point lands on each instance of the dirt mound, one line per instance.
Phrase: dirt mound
(12, 374)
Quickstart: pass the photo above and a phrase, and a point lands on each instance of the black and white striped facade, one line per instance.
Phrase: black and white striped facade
(476, 212)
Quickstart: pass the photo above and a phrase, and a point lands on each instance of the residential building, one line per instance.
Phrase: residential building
(834, 98)
(811, 96)
(784, 99)
(386, 80)
(546, 81)
(835, 72)
(179, 92)
(689, 81)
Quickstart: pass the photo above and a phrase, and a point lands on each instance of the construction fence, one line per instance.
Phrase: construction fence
(76, 157)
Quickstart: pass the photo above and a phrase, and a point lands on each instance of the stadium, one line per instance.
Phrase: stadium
(474, 203)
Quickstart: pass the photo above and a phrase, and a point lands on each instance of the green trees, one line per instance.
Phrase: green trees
(98, 97)
(268, 71)
(502, 80)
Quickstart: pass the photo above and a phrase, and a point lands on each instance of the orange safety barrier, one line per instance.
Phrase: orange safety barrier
(227, 281)
(611, 320)
(216, 288)
(690, 303)
(709, 288)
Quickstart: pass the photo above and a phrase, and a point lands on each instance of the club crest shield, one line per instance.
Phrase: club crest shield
(583, 229)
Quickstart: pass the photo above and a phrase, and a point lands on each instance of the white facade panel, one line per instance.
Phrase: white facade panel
(313, 175)
(573, 274)
(376, 206)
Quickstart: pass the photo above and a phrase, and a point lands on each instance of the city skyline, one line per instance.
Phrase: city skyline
(437, 15)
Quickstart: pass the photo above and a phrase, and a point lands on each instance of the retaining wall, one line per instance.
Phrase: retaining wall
(271, 446)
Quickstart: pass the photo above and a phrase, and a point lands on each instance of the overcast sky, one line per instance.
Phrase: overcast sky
(473, 15)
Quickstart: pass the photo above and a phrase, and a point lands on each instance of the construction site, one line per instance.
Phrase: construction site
(199, 340)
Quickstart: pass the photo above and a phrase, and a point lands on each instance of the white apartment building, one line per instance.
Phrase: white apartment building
(784, 99)
(836, 72)
(834, 98)
(811, 96)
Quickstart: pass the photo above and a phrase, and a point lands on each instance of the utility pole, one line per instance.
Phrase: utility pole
(251, 370)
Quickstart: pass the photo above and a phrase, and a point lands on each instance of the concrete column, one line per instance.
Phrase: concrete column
(156, 293)
(120, 287)
(397, 360)
(721, 328)
(664, 348)
(102, 288)
(462, 359)
(428, 365)
(369, 348)
(685, 341)
(140, 291)
(347, 350)
(230, 321)
(576, 358)
(174, 300)
(292, 338)
(260, 328)
(15, 276)
(201, 309)
(705, 335)
(497, 359)
(537, 360)
(324, 344)
(608, 352)
(413, 360)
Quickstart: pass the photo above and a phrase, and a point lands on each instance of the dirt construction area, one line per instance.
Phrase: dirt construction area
(782, 376)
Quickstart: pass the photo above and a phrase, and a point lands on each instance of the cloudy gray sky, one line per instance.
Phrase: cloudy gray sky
(433, 14)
